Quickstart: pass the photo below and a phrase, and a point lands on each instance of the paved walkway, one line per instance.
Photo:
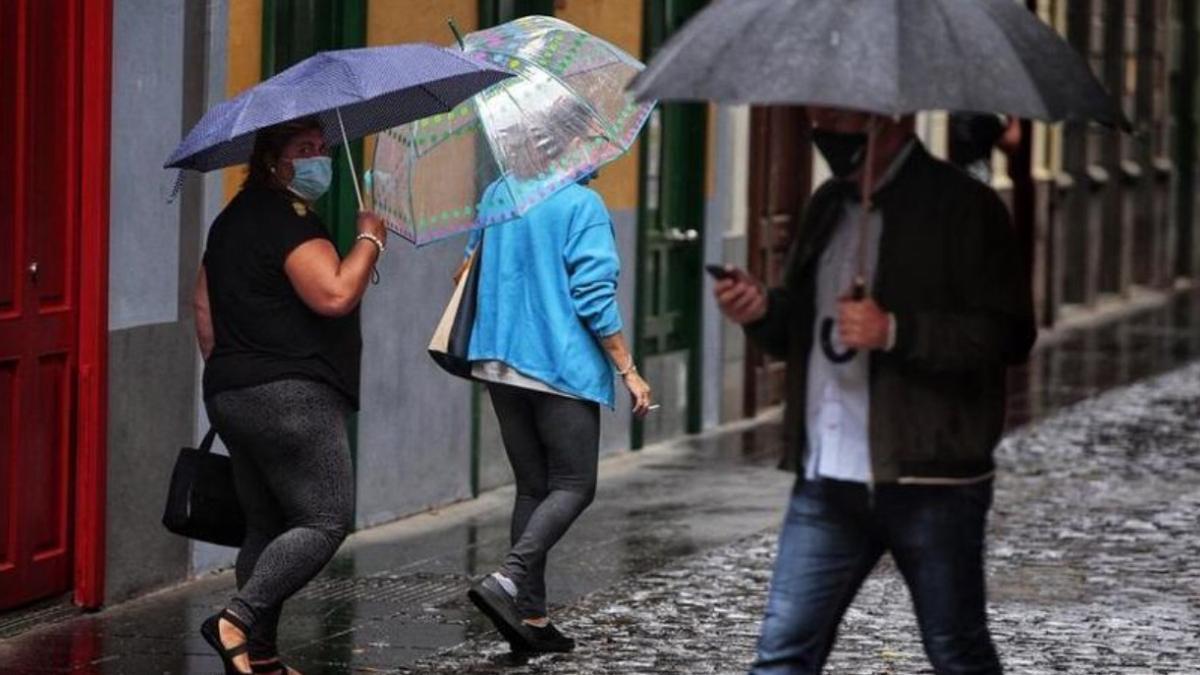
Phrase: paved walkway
(1093, 566)
(394, 595)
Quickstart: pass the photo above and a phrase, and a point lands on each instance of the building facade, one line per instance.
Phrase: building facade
(99, 373)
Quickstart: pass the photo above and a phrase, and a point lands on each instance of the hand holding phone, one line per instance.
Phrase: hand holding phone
(720, 272)
(740, 296)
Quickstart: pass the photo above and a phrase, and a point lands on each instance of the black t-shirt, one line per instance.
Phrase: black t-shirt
(263, 331)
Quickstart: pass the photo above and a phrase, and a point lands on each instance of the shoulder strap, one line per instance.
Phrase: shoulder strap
(206, 444)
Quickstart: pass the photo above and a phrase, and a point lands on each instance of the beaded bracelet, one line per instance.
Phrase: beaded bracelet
(373, 239)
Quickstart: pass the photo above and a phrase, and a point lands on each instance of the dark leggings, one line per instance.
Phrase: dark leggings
(553, 444)
(291, 465)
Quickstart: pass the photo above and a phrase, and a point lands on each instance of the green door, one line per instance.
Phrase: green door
(670, 243)
(293, 30)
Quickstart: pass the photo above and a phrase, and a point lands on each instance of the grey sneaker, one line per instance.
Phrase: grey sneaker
(500, 607)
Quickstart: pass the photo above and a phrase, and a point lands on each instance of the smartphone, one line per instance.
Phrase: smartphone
(719, 272)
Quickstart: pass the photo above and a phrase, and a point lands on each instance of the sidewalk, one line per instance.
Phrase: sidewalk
(396, 594)
(1094, 567)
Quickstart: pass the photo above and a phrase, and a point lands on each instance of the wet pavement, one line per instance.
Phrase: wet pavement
(1093, 566)
(396, 594)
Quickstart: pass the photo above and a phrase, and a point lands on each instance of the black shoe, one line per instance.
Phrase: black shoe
(495, 602)
(548, 639)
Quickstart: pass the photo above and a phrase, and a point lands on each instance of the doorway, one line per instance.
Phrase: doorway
(54, 59)
(670, 242)
(780, 183)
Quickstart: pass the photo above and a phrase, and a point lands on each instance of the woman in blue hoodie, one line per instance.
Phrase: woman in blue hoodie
(547, 340)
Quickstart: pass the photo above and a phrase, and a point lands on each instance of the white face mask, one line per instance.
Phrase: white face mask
(311, 177)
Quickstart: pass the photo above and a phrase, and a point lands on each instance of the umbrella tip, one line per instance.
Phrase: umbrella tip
(457, 35)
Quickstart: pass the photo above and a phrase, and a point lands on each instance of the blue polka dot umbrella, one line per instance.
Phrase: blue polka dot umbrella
(565, 114)
(354, 92)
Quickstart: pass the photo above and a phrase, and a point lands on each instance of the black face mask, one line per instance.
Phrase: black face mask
(844, 152)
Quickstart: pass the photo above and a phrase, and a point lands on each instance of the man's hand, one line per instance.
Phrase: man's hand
(741, 298)
(862, 324)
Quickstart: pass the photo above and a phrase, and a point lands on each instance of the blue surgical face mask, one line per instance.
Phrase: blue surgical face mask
(312, 177)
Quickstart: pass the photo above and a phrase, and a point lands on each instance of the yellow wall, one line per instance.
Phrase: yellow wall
(388, 22)
(244, 66)
(619, 22)
(391, 22)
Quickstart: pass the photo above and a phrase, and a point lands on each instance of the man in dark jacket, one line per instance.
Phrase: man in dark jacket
(893, 448)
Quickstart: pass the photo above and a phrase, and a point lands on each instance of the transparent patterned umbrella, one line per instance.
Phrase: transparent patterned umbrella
(492, 158)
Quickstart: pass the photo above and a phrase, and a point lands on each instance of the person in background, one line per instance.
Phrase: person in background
(278, 326)
(546, 339)
(972, 136)
(892, 448)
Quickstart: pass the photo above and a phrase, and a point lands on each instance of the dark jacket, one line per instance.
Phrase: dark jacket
(951, 272)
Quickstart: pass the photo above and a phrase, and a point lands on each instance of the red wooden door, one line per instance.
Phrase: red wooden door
(40, 220)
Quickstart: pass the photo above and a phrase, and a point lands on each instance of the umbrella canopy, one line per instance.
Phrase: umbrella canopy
(491, 159)
(880, 56)
(369, 89)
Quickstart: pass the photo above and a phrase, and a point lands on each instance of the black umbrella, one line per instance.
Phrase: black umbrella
(889, 57)
(886, 56)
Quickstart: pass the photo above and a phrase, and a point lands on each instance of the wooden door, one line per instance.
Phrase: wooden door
(780, 182)
(39, 235)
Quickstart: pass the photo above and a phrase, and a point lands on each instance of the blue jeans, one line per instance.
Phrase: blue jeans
(833, 535)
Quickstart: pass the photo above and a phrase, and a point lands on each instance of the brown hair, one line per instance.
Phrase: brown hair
(268, 144)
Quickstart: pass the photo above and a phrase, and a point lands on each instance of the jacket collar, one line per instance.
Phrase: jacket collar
(902, 164)
(830, 197)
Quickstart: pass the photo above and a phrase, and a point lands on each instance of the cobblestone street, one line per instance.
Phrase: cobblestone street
(1094, 564)
(1094, 567)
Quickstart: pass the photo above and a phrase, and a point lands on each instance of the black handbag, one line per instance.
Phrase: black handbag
(448, 348)
(202, 502)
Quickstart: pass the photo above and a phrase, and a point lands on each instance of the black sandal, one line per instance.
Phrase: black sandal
(210, 630)
(273, 666)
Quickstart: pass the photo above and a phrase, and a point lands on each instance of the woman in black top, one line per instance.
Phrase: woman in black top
(277, 321)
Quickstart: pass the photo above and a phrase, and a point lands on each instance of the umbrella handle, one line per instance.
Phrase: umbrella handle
(349, 159)
(858, 293)
(457, 35)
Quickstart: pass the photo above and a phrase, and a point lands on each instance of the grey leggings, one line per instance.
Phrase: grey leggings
(553, 444)
(291, 465)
